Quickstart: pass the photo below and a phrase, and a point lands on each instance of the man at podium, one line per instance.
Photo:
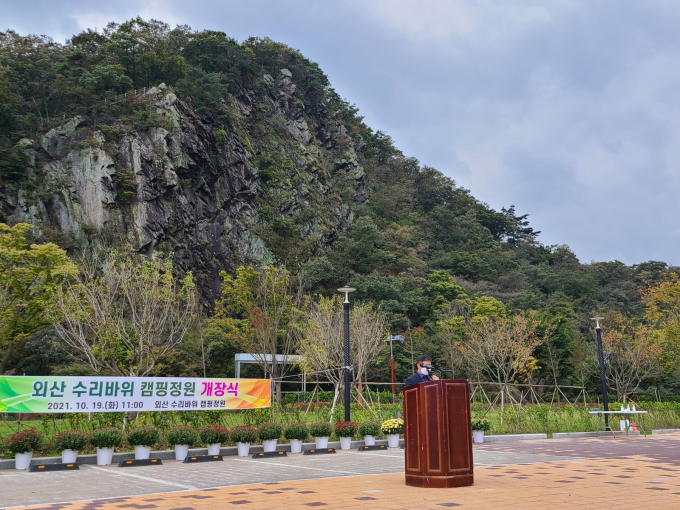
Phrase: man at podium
(424, 373)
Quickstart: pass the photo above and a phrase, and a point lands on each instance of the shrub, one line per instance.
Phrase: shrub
(320, 429)
(369, 428)
(143, 436)
(28, 440)
(269, 431)
(182, 434)
(244, 434)
(484, 425)
(296, 431)
(213, 434)
(346, 429)
(70, 440)
(393, 426)
(106, 437)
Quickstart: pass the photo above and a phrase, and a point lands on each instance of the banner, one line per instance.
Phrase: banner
(30, 394)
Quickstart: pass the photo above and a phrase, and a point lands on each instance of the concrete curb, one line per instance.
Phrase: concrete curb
(573, 435)
(170, 454)
(664, 431)
(514, 437)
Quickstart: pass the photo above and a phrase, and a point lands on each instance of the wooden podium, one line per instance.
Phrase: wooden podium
(437, 434)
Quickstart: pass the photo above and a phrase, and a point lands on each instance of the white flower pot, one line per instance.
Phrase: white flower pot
(321, 442)
(23, 460)
(477, 436)
(269, 445)
(295, 446)
(243, 449)
(369, 440)
(181, 451)
(214, 449)
(69, 456)
(104, 456)
(393, 440)
(142, 452)
(345, 443)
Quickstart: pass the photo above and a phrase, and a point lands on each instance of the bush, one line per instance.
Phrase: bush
(346, 429)
(28, 440)
(107, 437)
(213, 434)
(244, 434)
(481, 425)
(143, 436)
(182, 434)
(70, 440)
(320, 429)
(296, 431)
(369, 428)
(394, 426)
(269, 431)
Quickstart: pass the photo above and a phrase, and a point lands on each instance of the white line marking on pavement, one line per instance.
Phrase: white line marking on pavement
(301, 467)
(147, 478)
(383, 455)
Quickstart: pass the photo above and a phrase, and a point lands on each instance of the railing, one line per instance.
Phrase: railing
(121, 97)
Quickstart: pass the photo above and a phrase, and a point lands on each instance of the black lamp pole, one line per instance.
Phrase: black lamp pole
(346, 291)
(600, 357)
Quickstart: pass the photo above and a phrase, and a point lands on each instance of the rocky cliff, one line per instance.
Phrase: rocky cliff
(259, 180)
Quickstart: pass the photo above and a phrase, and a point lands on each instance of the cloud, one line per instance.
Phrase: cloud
(567, 109)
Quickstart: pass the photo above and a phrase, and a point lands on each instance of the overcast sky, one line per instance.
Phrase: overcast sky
(567, 109)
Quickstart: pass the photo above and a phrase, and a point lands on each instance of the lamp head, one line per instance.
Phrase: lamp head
(346, 290)
(597, 320)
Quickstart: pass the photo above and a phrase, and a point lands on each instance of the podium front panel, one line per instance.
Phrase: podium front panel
(459, 430)
(437, 434)
(412, 432)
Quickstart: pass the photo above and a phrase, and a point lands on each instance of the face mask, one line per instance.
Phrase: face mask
(424, 371)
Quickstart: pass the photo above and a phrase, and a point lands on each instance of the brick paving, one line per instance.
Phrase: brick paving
(598, 473)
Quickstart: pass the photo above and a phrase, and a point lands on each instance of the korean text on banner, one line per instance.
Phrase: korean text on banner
(28, 394)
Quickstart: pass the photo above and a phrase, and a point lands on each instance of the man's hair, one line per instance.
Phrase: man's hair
(423, 357)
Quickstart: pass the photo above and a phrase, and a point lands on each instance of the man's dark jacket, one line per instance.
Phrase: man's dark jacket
(414, 379)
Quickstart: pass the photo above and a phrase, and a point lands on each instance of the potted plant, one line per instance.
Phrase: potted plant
(182, 437)
(321, 430)
(143, 438)
(70, 442)
(213, 436)
(478, 429)
(393, 428)
(22, 444)
(269, 435)
(105, 440)
(369, 429)
(296, 433)
(345, 430)
(243, 435)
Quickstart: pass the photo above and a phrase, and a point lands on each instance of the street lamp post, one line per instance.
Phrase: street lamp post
(600, 357)
(346, 290)
(391, 340)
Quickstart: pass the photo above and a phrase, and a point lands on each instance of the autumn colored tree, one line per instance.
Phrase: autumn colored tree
(322, 342)
(262, 309)
(124, 313)
(631, 353)
(662, 312)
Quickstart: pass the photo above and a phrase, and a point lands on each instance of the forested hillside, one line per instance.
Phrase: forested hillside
(242, 154)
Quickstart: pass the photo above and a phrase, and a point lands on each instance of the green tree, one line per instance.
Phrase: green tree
(30, 275)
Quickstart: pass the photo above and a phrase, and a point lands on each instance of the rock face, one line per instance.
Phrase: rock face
(257, 182)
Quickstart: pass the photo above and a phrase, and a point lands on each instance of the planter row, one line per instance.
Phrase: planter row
(245, 450)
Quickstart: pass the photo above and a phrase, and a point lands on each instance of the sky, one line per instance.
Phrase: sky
(567, 109)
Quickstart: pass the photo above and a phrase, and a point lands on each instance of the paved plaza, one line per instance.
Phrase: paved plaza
(623, 472)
